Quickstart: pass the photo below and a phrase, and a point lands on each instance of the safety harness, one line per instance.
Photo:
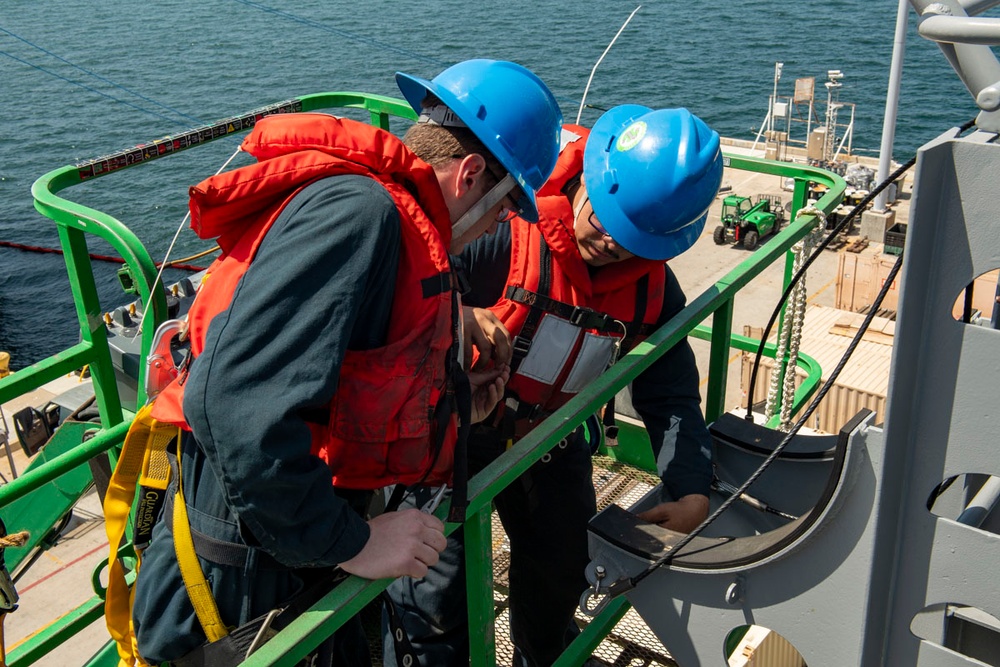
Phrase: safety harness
(145, 461)
(525, 404)
(425, 341)
(585, 318)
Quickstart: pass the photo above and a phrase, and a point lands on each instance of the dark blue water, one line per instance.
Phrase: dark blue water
(81, 78)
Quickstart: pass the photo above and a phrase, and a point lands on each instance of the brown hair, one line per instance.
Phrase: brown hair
(436, 144)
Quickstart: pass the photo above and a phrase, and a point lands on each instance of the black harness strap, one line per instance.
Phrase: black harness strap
(444, 281)
(233, 649)
(436, 284)
(396, 497)
(463, 403)
(405, 655)
(540, 303)
(608, 421)
(585, 318)
(231, 553)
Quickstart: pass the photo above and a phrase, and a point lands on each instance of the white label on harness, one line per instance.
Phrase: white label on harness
(593, 359)
(550, 348)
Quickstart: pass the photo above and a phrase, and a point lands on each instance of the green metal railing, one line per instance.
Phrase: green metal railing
(75, 221)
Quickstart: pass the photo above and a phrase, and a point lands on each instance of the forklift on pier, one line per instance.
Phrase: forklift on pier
(747, 221)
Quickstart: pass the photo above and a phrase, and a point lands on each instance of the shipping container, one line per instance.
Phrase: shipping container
(860, 276)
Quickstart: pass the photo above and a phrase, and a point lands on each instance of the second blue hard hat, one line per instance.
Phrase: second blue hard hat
(651, 176)
(509, 109)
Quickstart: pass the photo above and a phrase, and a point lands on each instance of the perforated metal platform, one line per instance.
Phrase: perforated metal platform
(631, 643)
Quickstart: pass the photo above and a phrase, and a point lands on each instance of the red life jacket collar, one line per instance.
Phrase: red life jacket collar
(556, 225)
(308, 146)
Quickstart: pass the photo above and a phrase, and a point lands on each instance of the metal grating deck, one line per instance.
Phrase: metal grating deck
(631, 643)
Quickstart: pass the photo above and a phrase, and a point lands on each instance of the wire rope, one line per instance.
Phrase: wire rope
(820, 395)
(96, 76)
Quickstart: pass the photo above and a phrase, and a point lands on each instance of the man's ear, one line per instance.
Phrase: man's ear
(471, 171)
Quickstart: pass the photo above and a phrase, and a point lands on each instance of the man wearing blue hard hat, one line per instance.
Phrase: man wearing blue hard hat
(575, 291)
(325, 361)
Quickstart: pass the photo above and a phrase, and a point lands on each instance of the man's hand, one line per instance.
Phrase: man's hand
(485, 332)
(487, 390)
(403, 543)
(682, 515)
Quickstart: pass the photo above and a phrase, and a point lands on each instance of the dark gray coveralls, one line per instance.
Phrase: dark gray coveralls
(322, 282)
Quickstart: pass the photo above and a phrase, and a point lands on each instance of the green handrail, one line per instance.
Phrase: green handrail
(297, 640)
(75, 220)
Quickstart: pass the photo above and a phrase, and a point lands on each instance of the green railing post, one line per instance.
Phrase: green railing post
(92, 328)
(591, 636)
(478, 531)
(34, 376)
(718, 363)
(800, 195)
(78, 456)
(57, 633)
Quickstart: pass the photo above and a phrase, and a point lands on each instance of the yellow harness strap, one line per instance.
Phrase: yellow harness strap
(194, 579)
(144, 460)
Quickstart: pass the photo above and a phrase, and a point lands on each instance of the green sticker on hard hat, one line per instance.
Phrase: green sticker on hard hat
(632, 135)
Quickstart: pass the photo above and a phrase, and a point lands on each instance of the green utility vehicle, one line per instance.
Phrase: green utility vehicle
(746, 221)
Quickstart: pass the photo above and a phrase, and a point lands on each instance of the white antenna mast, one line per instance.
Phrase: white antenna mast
(582, 101)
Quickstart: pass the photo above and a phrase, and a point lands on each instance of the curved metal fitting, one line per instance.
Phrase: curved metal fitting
(988, 98)
(937, 9)
(160, 366)
(734, 594)
(585, 599)
(619, 587)
(594, 591)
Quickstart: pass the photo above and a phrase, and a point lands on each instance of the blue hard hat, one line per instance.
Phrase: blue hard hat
(651, 176)
(510, 111)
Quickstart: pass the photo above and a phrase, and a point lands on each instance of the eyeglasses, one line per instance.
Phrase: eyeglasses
(595, 223)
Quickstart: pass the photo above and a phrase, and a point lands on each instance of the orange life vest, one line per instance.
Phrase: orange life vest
(569, 322)
(392, 419)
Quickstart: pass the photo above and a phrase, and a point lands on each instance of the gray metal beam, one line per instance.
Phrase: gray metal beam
(973, 61)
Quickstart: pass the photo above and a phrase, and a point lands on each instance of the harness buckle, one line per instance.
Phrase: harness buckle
(460, 281)
(264, 634)
(519, 350)
(168, 358)
(587, 318)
